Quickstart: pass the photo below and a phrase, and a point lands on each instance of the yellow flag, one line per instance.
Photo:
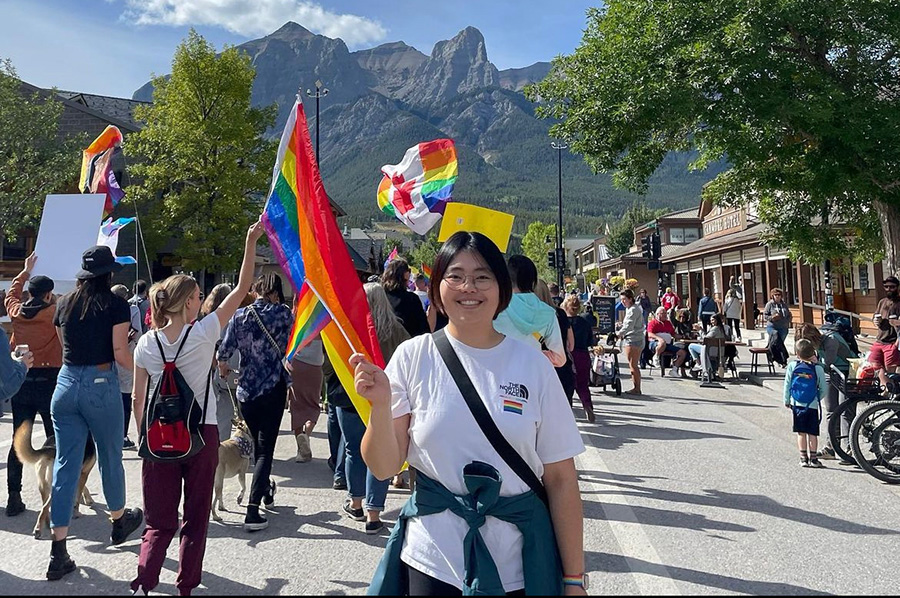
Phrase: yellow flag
(497, 226)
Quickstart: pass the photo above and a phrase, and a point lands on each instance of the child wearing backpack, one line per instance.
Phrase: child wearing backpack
(804, 388)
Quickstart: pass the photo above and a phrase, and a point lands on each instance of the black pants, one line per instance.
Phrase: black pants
(704, 320)
(735, 324)
(32, 399)
(263, 416)
(126, 407)
(423, 585)
(566, 376)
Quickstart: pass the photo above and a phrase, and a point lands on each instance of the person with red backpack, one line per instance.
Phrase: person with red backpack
(804, 388)
(179, 431)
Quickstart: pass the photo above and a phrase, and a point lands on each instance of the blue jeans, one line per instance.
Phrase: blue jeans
(336, 444)
(86, 399)
(776, 346)
(360, 481)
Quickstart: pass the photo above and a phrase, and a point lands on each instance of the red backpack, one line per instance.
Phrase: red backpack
(170, 430)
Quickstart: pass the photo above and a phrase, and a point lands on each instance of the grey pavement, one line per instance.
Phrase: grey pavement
(687, 490)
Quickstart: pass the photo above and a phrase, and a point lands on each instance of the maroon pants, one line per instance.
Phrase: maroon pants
(162, 495)
(582, 360)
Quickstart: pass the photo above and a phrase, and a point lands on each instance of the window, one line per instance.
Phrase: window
(683, 236)
(14, 250)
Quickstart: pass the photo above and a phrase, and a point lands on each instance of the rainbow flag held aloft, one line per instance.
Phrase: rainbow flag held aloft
(417, 189)
(309, 246)
(97, 174)
(393, 255)
(427, 272)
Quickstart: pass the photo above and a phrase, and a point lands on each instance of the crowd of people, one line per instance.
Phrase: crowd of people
(89, 361)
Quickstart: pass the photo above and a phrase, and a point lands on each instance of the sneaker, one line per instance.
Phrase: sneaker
(126, 525)
(827, 454)
(355, 514)
(128, 444)
(254, 521)
(673, 373)
(374, 527)
(815, 463)
(304, 453)
(339, 485)
(269, 498)
(14, 505)
(804, 461)
(591, 417)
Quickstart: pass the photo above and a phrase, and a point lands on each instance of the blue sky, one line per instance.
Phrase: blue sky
(111, 47)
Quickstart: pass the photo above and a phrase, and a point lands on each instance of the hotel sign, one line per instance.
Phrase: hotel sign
(723, 221)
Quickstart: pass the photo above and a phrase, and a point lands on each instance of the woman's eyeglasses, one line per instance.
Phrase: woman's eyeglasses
(482, 282)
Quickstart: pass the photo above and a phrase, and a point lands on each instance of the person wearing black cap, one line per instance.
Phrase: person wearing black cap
(884, 354)
(32, 325)
(93, 324)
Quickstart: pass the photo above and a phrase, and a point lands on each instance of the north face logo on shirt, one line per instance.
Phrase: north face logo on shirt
(515, 390)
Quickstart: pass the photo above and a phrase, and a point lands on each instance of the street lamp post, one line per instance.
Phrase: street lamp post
(560, 250)
(321, 92)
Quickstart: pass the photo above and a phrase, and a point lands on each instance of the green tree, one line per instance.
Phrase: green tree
(535, 246)
(801, 97)
(203, 165)
(34, 159)
(621, 235)
(425, 251)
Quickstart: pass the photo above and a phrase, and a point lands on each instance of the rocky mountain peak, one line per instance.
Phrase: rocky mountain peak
(292, 30)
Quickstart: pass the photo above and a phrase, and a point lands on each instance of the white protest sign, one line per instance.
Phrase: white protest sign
(69, 226)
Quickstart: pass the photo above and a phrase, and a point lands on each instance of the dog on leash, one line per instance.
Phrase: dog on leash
(234, 460)
(42, 459)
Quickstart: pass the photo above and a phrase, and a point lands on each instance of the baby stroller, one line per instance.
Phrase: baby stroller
(605, 366)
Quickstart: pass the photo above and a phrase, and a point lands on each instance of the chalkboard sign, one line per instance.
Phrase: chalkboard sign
(605, 311)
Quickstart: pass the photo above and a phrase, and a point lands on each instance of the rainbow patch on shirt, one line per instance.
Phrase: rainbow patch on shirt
(512, 406)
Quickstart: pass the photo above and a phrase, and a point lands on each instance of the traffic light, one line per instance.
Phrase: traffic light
(647, 247)
(655, 246)
(561, 258)
(551, 259)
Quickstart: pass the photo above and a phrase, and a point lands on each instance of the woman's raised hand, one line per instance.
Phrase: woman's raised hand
(255, 231)
(370, 381)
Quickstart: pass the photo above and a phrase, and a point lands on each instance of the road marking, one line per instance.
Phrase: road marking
(652, 580)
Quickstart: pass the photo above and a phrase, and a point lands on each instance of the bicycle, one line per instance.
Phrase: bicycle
(875, 436)
(854, 391)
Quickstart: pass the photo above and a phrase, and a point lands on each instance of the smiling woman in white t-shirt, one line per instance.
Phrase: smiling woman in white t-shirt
(175, 304)
(419, 415)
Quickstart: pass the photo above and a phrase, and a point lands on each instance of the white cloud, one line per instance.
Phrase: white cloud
(256, 17)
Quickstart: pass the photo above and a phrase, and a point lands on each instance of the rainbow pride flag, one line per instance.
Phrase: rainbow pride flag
(97, 175)
(309, 246)
(427, 272)
(416, 190)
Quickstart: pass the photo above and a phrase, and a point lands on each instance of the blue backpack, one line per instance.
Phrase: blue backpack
(804, 385)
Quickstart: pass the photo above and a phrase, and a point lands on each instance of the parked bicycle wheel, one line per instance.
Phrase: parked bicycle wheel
(840, 440)
(875, 440)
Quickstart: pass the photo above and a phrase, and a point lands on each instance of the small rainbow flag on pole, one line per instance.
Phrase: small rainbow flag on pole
(97, 175)
(417, 189)
(427, 272)
(309, 246)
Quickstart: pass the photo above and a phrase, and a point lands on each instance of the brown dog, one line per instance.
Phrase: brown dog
(234, 460)
(43, 459)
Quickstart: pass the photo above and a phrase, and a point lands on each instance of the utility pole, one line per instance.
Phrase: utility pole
(321, 92)
(560, 248)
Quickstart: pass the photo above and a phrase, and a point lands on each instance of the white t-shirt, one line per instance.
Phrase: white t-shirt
(194, 362)
(423, 297)
(524, 396)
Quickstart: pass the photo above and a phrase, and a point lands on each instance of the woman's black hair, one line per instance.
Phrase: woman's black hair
(718, 320)
(269, 284)
(523, 273)
(489, 254)
(394, 277)
(93, 294)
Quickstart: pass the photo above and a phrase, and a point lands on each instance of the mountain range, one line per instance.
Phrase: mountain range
(383, 100)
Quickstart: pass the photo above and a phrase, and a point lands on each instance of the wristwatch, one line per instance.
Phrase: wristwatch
(581, 580)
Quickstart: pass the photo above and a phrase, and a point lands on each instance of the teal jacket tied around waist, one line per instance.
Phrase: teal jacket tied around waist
(540, 554)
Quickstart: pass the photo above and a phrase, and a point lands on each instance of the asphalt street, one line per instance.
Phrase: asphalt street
(687, 490)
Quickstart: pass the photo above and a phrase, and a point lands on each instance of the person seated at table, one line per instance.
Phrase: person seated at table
(718, 329)
(661, 333)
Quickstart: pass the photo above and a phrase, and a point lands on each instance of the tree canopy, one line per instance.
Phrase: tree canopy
(800, 97)
(621, 236)
(202, 164)
(34, 159)
(535, 246)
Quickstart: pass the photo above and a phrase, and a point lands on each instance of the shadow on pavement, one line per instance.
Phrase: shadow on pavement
(667, 518)
(613, 563)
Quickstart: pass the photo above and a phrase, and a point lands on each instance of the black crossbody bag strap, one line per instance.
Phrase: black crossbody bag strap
(512, 458)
